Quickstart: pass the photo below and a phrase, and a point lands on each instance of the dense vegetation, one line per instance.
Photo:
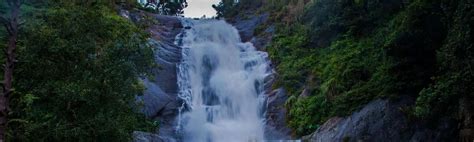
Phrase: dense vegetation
(165, 7)
(335, 56)
(79, 63)
(77, 73)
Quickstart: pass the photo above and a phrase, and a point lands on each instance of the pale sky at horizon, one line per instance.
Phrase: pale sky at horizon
(198, 8)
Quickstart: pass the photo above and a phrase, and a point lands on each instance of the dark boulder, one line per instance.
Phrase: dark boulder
(275, 114)
(383, 120)
(247, 25)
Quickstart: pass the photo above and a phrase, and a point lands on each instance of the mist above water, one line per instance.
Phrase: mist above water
(221, 81)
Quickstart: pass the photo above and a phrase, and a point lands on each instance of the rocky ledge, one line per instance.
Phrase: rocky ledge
(383, 120)
(160, 101)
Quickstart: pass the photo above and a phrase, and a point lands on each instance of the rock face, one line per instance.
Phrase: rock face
(274, 108)
(149, 137)
(275, 114)
(160, 101)
(146, 137)
(247, 25)
(164, 87)
(382, 120)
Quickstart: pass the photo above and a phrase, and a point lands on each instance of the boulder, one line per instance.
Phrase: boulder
(383, 120)
(247, 25)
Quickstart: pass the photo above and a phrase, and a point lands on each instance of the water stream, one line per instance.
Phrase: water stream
(221, 80)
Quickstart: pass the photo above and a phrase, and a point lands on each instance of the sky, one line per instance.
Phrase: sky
(198, 8)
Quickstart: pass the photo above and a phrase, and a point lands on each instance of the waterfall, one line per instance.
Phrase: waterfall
(221, 82)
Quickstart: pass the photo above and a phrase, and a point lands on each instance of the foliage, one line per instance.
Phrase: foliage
(231, 8)
(165, 7)
(78, 75)
(311, 112)
(280, 10)
(455, 76)
(329, 19)
(287, 51)
(225, 8)
(341, 77)
(347, 53)
(175, 8)
(350, 71)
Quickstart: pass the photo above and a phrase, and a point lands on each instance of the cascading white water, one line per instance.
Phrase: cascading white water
(221, 80)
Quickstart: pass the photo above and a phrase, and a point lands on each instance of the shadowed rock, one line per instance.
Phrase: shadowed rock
(149, 137)
(275, 111)
(275, 125)
(382, 120)
(246, 26)
(160, 99)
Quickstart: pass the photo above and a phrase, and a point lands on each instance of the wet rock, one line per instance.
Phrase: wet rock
(149, 137)
(146, 137)
(167, 56)
(268, 82)
(305, 93)
(160, 101)
(154, 99)
(275, 111)
(382, 120)
(247, 25)
(263, 39)
(275, 125)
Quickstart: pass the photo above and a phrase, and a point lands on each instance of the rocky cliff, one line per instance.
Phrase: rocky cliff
(337, 43)
(160, 101)
(275, 110)
(379, 120)
(384, 120)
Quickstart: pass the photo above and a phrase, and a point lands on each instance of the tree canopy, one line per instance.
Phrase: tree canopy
(77, 74)
(166, 7)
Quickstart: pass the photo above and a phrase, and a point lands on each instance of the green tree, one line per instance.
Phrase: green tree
(77, 76)
(224, 8)
(167, 7)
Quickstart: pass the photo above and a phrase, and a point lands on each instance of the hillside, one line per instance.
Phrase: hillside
(334, 57)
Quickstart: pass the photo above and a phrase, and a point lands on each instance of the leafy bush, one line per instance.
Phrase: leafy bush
(346, 59)
(455, 75)
(308, 113)
(340, 78)
(78, 75)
